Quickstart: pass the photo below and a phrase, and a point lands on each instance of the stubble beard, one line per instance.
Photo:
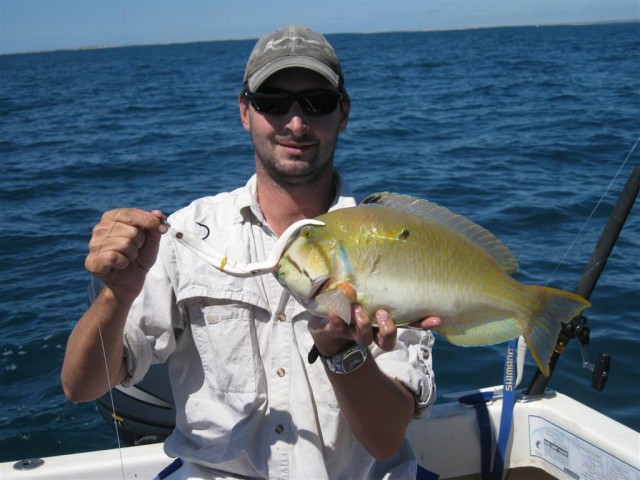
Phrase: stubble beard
(305, 171)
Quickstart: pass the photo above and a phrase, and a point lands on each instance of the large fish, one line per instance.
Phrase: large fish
(417, 259)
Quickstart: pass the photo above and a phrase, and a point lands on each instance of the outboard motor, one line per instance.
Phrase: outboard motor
(143, 413)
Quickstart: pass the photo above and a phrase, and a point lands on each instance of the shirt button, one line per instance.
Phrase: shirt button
(280, 372)
(279, 429)
(282, 317)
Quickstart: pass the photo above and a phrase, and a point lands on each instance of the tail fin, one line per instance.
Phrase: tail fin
(556, 307)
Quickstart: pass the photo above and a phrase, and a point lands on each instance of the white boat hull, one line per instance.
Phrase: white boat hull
(556, 435)
(552, 437)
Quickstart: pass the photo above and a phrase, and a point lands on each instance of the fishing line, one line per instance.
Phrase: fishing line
(106, 369)
(584, 226)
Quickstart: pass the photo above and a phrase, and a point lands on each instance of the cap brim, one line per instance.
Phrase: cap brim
(309, 63)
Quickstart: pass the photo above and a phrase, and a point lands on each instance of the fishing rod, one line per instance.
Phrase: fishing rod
(577, 328)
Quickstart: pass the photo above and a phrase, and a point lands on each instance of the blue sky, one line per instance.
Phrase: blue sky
(34, 25)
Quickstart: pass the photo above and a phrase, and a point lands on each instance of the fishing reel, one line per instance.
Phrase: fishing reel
(577, 328)
(601, 368)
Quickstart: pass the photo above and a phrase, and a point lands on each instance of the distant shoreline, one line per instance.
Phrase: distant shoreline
(444, 29)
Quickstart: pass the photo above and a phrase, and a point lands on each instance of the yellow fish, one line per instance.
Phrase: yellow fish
(417, 259)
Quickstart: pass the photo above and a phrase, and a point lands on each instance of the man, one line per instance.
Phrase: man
(249, 404)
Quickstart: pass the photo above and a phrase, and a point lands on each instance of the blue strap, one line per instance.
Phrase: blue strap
(479, 401)
(424, 474)
(506, 418)
(171, 468)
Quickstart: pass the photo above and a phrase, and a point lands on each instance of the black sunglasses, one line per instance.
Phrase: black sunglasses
(278, 102)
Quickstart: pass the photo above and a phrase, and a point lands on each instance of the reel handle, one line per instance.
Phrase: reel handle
(601, 372)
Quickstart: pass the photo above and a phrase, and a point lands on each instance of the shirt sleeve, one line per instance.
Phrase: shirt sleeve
(410, 363)
(149, 336)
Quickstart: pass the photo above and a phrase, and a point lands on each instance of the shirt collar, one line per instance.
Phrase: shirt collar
(248, 199)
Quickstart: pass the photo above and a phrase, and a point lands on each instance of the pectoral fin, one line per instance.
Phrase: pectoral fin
(338, 299)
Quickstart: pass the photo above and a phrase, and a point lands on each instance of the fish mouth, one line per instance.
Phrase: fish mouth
(309, 301)
(318, 286)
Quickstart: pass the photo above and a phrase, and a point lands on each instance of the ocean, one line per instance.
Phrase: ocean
(529, 131)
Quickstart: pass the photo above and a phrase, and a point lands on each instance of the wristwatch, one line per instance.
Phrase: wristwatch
(348, 360)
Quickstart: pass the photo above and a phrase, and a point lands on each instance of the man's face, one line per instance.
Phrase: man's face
(294, 148)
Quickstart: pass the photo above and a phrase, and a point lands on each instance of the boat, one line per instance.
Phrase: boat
(550, 439)
(493, 432)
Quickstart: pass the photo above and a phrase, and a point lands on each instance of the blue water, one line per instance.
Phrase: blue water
(520, 129)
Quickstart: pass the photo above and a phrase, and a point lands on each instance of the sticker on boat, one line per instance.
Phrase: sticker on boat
(572, 455)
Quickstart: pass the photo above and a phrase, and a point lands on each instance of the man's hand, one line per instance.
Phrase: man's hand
(378, 420)
(123, 248)
(332, 334)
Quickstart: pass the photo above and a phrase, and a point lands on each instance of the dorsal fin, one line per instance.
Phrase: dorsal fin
(463, 226)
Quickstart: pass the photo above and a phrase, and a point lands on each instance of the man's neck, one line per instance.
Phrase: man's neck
(283, 205)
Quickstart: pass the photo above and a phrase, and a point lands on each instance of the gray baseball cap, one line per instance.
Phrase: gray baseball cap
(292, 46)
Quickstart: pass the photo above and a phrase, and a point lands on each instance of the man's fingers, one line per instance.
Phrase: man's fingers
(362, 331)
(127, 223)
(387, 331)
(123, 236)
(427, 323)
(134, 217)
(106, 262)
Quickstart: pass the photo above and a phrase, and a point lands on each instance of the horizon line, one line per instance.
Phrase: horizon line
(373, 32)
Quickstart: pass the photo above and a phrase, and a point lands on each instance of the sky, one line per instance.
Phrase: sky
(40, 25)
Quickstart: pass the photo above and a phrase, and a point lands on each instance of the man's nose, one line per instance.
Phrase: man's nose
(296, 119)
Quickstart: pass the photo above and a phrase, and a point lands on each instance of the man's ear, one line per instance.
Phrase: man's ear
(345, 108)
(243, 105)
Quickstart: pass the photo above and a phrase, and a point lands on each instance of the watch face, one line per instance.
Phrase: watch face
(348, 360)
(353, 360)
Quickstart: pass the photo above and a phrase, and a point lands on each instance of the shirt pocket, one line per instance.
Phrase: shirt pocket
(225, 337)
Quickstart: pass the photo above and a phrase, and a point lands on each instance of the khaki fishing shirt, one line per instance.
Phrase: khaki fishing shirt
(248, 402)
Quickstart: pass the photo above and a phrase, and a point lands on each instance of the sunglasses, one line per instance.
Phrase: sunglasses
(278, 102)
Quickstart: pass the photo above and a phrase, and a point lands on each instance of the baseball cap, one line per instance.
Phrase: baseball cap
(292, 46)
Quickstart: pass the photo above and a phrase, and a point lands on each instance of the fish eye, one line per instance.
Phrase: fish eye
(306, 232)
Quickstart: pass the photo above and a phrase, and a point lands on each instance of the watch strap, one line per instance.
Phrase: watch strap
(314, 353)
